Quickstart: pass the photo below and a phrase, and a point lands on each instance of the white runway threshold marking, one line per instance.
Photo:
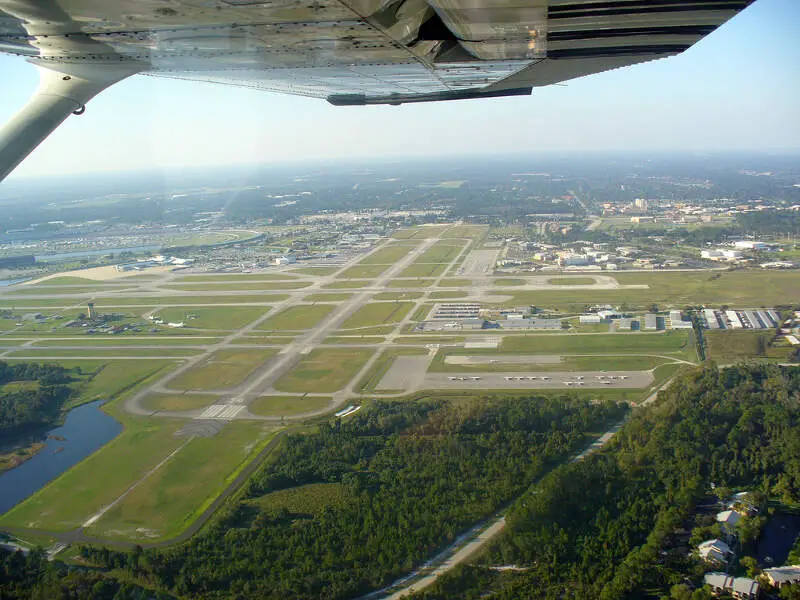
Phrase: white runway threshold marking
(221, 411)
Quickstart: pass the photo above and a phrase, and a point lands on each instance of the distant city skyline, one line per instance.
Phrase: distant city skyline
(734, 91)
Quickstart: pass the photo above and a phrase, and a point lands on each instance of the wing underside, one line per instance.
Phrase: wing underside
(361, 51)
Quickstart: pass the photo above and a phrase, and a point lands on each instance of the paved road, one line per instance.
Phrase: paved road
(467, 545)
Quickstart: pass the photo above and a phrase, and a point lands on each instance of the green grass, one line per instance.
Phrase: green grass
(298, 317)
(122, 301)
(73, 290)
(108, 380)
(329, 297)
(266, 339)
(447, 294)
(348, 285)
(388, 255)
(744, 288)
(410, 283)
(223, 369)
(315, 270)
(418, 233)
(378, 313)
(71, 280)
(365, 331)
(203, 317)
(676, 343)
(170, 499)
(225, 278)
(265, 285)
(441, 252)
(473, 232)
(282, 406)
(309, 499)
(422, 312)
(455, 283)
(324, 370)
(363, 271)
(571, 281)
(423, 270)
(39, 303)
(507, 281)
(69, 500)
(101, 353)
(177, 401)
(357, 340)
(732, 346)
(398, 296)
(125, 340)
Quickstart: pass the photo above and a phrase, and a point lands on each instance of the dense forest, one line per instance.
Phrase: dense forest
(31, 396)
(33, 577)
(605, 528)
(412, 477)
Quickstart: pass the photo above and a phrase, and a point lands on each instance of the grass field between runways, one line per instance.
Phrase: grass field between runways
(158, 402)
(170, 499)
(441, 252)
(202, 317)
(298, 317)
(238, 287)
(324, 370)
(670, 343)
(378, 313)
(223, 369)
(388, 255)
(363, 271)
(423, 270)
(284, 406)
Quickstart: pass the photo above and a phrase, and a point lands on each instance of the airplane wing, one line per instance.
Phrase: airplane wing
(348, 52)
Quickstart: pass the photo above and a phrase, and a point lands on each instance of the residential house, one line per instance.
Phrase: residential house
(715, 551)
(780, 576)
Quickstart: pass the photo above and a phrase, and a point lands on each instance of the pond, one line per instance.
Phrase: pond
(777, 539)
(85, 429)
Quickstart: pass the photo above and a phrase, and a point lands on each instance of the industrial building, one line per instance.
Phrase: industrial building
(740, 319)
(676, 320)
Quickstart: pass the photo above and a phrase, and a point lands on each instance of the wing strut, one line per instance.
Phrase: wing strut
(64, 89)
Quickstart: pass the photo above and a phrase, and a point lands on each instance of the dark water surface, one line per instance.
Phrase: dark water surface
(85, 429)
(777, 539)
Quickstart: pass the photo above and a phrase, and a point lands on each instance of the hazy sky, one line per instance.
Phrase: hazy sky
(738, 89)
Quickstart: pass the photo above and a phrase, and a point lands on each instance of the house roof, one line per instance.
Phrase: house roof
(783, 574)
(729, 517)
(745, 585)
(716, 544)
(718, 580)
